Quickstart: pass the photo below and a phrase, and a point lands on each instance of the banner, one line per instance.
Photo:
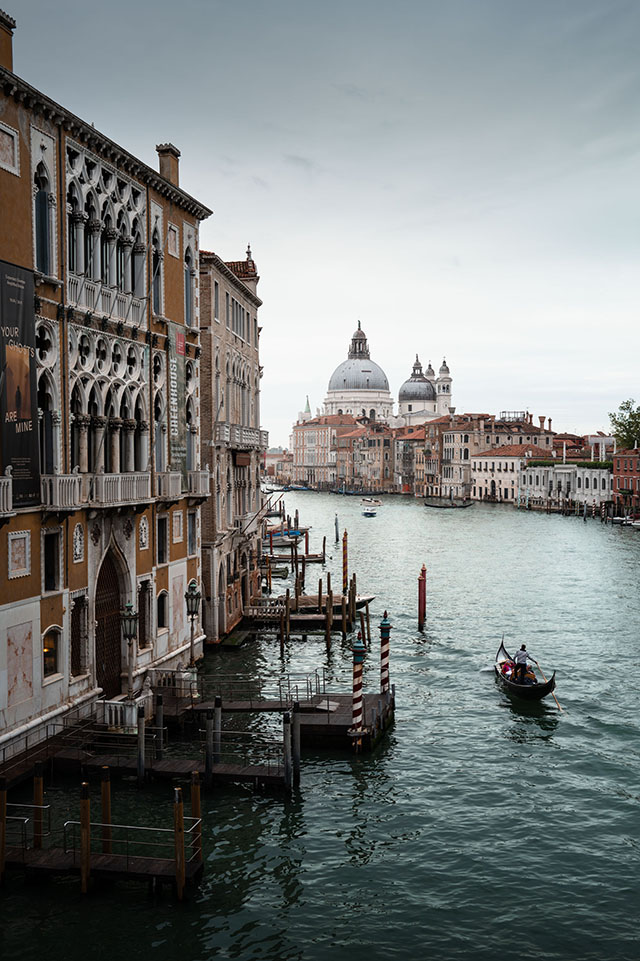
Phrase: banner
(177, 401)
(19, 395)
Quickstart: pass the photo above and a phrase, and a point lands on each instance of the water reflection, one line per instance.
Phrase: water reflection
(534, 720)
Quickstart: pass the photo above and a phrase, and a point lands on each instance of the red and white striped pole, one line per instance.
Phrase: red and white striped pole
(385, 632)
(345, 564)
(359, 651)
(422, 597)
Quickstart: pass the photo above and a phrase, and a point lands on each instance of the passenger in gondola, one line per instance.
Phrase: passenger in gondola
(521, 658)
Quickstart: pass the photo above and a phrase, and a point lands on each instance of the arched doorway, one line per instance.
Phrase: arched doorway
(222, 594)
(108, 630)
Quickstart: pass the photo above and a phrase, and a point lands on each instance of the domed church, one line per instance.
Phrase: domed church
(358, 386)
(424, 396)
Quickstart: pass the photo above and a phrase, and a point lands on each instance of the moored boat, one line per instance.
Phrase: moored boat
(447, 502)
(533, 690)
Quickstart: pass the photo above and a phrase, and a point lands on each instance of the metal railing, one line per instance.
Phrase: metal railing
(135, 842)
(247, 749)
(284, 689)
(28, 825)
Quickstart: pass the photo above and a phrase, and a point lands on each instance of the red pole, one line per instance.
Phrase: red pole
(306, 542)
(271, 542)
(422, 597)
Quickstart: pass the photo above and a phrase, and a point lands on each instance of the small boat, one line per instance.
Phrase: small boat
(447, 502)
(369, 512)
(371, 502)
(531, 691)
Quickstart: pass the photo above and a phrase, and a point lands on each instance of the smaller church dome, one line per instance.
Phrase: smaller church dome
(429, 372)
(443, 369)
(417, 388)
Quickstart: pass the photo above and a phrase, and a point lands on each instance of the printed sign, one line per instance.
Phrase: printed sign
(18, 395)
(177, 401)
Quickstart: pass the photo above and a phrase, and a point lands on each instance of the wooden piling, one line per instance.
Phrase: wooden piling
(217, 749)
(304, 570)
(363, 630)
(294, 565)
(320, 595)
(269, 575)
(38, 802)
(141, 726)
(345, 563)
(281, 633)
(344, 618)
(422, 597)
(105, 797)
(328, 581)
(337, 531)
(178, 840)
(196, 812)
(329, 619)
(297, 593)
(159, 726)
(385, 632)
(287, 613)
(366, 607)
(306, 542)
(208, 757)
(295, 743)
(85, 838)
(3, 825)
(324, 549)
(286, 744)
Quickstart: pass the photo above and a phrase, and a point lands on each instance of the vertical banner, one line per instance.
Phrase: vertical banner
(18, 394)
(177, 401)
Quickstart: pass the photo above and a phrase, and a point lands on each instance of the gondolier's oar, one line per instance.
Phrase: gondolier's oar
(545, 681)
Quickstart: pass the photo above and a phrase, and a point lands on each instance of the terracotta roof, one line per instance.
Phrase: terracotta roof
(244, 269)
(418, 433)
(337, 419)
(512, 450)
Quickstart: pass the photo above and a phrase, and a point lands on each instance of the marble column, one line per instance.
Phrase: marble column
(115, 424)
(82, 422)
(99, 426)
(78, 220)
(111, 236)
(94, 269)
(143, 440)
(129, 427)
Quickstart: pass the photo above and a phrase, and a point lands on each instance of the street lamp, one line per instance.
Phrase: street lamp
(192, 597)
(129, 621)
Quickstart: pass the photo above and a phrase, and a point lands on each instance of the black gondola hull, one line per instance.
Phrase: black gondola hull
(528, 692)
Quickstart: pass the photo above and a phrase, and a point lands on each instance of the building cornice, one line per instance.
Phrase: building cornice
(26, 95)
(208, 257)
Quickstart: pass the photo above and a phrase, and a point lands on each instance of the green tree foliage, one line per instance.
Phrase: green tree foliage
(625, 424)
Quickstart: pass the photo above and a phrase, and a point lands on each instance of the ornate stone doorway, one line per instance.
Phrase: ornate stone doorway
(108, 629)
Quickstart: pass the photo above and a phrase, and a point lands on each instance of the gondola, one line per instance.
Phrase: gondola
(529, 692)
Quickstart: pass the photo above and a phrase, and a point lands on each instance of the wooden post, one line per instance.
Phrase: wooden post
(306, 542)
(85, 838)
(295, 743)
(320, 595)
(208, 757)
(324, 549)
(355, 592)
(328, 581)
(304, 569)
(281, 633)
(345, 564)
(38, 801)
(269, 575)
(362, 627)
(297, 591)
(422, 597)
(3, 825)
(368, 624)
(196, 812)
(344, 618)
(271, 542)
(286, 743)
(287, 610)
(178, 840)
(141, 726)
(106, 810)
(294, 565)
(159, 726)
(217, 752)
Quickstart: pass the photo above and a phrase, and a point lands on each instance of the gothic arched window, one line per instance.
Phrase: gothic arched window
(43, 233)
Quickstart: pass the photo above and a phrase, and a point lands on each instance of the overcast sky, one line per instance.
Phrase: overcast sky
(461, 176)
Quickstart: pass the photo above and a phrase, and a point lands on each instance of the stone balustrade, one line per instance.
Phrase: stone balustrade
(61, 491)
(169, 485)
(6, 493)
(116, 304)
(121, 488)
(199, 483)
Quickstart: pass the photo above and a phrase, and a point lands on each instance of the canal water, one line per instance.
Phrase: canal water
(480, 829)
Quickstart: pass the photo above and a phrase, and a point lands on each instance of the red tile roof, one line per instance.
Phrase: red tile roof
(513, 450)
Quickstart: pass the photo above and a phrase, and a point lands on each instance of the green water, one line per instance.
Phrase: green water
(479, 830)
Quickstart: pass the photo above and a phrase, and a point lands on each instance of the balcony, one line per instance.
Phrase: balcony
(91, 295)
(199, 483)
(264, 439)
(61, 492)
(6, 493)
(111, 490)
(247, 438)
(169, 485)
(221, 433)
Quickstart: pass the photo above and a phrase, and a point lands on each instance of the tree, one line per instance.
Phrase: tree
(625, 425)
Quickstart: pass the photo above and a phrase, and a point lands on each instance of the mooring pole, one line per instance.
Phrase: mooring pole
(141, 726)
(304, 569)
(366, 607)
(345, 563)
(422, 597)
(105, 792)
(328, 581)
(159, 726)
(218, 729)
(269, 575)
(344, 618)
(38, 802)
(85, 838)
(178, 840)
(385, 632)
(295, 743)
(337, 531)
(359, 651)
(329, 619)
(196, 812)
(208, 757)
(306, 542)
(287, 613)
(324, 549)
(363, 629)
(286, 744)
(320, 595)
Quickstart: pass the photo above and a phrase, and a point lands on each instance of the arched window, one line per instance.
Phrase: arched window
(188, 288)
(46, 427)
(163, 610)
(586, 483)
(73, 207)
(158, 440)
(43, 234)
(51, 650)
(156, 278)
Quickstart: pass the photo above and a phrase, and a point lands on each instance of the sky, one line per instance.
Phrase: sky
(461, 176)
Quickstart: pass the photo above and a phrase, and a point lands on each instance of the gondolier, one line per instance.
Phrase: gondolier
(521, 657)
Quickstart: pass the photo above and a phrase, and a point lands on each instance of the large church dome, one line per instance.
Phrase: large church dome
(417, 388)
(358, 371)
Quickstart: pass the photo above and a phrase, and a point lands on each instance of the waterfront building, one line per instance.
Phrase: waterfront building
(314, 448)
(626, 481)
(232, 439)
(409, 445)
(101, 480)
(365, 458)
(557, 485)
(495, 472)
(358, 386)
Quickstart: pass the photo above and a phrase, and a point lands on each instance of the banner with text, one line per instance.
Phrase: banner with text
(19, 394)
(177, 401)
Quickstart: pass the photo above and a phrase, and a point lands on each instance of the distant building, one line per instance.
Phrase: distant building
(495, 473)
(424, 397)
(314, 449)
(555, 485)
(358, 386)
(626, 480)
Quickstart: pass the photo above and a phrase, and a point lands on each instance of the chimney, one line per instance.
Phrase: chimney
(169, 162)
(549, 425)
(542, 420)
(7, 26)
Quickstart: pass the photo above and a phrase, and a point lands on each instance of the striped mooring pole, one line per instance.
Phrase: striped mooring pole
(359, 651)
(422, 597)
(385, 632)
(345, 564)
